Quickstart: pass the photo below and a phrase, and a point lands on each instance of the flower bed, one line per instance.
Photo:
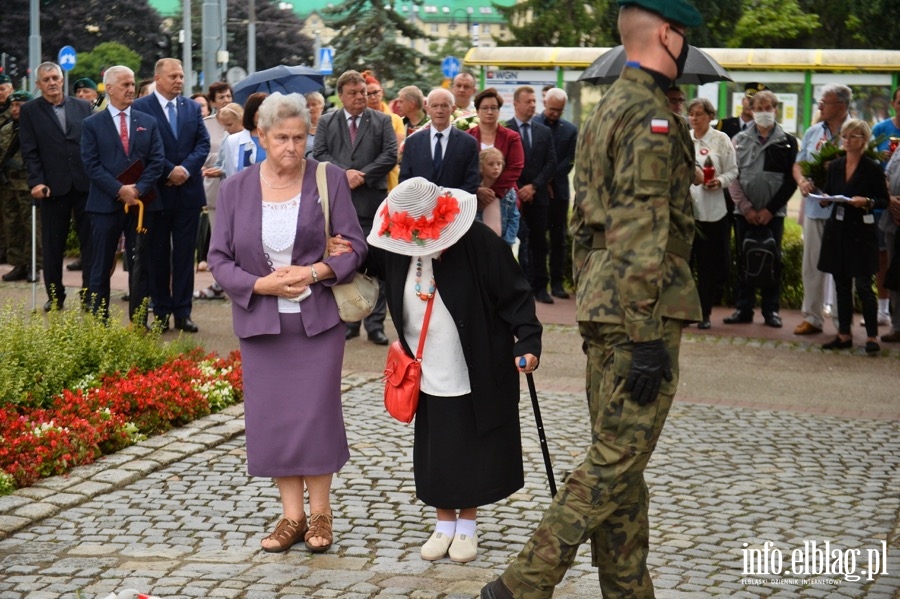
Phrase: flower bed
(102, 415)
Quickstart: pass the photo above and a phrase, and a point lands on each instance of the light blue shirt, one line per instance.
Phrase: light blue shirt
(813, 139)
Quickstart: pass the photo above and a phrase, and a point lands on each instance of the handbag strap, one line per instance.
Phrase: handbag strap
(424, 329)
(322, 185)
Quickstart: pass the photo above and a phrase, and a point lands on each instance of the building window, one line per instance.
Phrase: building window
(434, 28)
(486, 10)
(486, 28)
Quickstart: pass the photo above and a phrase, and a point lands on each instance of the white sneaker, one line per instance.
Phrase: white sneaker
(884, 319)
(464, 548)
(436, 547)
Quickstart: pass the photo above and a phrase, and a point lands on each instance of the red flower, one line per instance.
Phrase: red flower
(401, 225)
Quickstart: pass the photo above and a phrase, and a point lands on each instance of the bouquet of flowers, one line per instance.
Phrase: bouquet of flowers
(464, 119)
(817, 168)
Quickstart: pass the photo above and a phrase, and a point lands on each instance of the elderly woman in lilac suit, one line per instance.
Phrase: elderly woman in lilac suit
(266, 252)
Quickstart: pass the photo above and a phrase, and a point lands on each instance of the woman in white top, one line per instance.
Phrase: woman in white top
(242, 149)
(711, 257)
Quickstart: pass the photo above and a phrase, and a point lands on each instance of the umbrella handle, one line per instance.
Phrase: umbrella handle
(140, 222)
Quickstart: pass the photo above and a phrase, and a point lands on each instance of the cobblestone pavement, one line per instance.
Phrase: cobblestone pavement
(177, 515)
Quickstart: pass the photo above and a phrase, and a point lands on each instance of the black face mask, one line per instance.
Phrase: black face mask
(681, 59)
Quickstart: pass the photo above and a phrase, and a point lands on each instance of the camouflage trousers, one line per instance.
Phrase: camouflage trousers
(605, 499)
(16, 207)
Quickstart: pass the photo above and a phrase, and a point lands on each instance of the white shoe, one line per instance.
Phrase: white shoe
(884, 319)
(464, 548)
(436, 547)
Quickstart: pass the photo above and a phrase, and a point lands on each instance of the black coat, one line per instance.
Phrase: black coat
(850, 245)
(493, 307)
(540, 160)
(51, 155)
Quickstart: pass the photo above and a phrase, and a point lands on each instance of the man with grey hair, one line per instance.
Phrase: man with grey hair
(834, 109)
(440, 152)
(113, 141)
(463, 89)
(412, 108)
(565, 134)
(50, 134)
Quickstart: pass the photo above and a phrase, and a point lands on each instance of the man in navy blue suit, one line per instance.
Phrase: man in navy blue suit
(534, 191)
(112, 141)
(565, 134)
(173, 239)
(440, 152)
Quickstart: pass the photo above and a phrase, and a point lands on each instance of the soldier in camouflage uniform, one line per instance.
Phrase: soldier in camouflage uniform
(6, 90)
(633, 228)
(15, 195)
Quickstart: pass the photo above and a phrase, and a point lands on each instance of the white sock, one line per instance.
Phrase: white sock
(447, 527)
(884, 305)
(465, 527)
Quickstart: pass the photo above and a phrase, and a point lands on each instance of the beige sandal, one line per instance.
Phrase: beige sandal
(319, 526)
(287, 533)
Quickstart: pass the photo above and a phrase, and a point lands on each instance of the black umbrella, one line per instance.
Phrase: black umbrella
(282, 78)
(699, 68)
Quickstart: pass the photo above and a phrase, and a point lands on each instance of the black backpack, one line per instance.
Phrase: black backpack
(759, 254)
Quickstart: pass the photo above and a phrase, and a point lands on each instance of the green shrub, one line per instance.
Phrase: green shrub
(42, 355)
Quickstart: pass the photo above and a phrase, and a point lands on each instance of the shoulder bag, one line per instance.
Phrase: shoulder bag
(402, 376)
(356, 299)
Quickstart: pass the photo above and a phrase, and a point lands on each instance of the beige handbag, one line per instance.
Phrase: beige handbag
(356, 299)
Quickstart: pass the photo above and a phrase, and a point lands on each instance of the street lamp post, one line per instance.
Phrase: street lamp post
(473, 37)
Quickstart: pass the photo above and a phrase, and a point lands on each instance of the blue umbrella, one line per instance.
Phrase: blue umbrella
(282, 79)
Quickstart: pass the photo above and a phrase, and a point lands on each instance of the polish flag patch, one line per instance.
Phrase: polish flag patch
(659, 126)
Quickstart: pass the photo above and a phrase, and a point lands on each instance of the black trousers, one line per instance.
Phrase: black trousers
(745, 295)
(711, 259)
(173, 243)
(56, 215)
(534, 248)
(557, 221)
(865, 289)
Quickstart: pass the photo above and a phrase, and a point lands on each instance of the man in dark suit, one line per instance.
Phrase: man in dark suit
(112, 141)
(534, 192)
(50, 134)
(173, 238)
(440, 152)
(565, 134)
(362, 142)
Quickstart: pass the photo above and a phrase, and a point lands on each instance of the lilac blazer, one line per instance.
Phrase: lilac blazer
(237, 259)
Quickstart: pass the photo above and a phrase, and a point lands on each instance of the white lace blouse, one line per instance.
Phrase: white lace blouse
(279, 228)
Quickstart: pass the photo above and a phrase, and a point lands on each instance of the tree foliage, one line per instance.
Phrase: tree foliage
(719, 20)
(368, 38)
(773, 24)
(92, 64)
(567, 23)
(278, 37)
(82, 24)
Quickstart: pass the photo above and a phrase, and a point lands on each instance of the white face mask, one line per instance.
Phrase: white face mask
(764, 119)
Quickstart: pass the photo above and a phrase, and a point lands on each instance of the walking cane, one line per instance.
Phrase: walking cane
(540, 427)
(34, 277)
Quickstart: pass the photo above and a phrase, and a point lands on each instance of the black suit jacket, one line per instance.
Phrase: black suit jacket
(53, 156)
(189, 150)
(540, 160)
(459, 167)
(730, 126)
(565, 136)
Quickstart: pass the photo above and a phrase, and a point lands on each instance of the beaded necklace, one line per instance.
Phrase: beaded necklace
(418, 287)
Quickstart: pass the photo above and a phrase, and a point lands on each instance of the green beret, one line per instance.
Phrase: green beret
(681, 12)
(751, 88)
(5, 79)
(20, 96)
(84, 82)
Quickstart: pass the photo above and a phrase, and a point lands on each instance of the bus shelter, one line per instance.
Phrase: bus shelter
(796, 75)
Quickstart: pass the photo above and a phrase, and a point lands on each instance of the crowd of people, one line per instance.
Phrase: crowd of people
(432, 193)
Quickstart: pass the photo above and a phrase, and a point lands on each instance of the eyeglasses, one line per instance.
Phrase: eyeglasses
(676, 101)
(490, 108)
(373, 93)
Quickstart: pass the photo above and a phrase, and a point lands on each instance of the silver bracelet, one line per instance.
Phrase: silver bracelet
(315, 275)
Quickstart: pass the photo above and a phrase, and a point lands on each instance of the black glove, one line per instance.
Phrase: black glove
(649, 365)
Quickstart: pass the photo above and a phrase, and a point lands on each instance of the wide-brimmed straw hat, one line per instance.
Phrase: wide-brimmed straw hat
(420, 218)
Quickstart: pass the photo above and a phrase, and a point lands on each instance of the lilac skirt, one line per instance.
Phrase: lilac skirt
(292, 401)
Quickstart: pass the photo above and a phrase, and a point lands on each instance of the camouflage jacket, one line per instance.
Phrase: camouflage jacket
(12, 172)
(633, 224)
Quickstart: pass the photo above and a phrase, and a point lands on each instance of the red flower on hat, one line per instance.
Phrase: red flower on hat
(402, 226)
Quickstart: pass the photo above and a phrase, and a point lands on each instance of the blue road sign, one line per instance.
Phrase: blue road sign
(450, 67)
(66, 58)
(326, 61)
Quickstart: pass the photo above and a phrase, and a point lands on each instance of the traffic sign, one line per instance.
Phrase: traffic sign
(66, 58)
(326, 61)
(450, 67)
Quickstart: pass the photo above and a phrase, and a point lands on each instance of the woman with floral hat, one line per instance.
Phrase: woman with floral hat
(426, 245)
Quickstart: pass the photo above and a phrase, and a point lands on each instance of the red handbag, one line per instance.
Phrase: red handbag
(402, 374)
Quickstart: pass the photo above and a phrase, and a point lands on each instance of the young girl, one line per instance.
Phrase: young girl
(502, 215)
